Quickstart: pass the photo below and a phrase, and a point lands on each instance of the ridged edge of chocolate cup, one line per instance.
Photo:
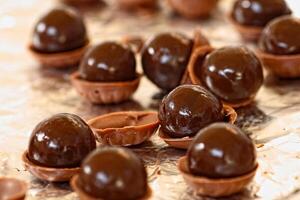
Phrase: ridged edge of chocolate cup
(214, 187)
(103, 92)
(48, 173)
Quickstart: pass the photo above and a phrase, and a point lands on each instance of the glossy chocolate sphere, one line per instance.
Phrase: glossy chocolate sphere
(221, 150)
(61, 29)
(258, 12)
(234, 74)
(62, 140)
(187, 109)
(165, 58)
(281, 36)
(113, 173)
(108, 62)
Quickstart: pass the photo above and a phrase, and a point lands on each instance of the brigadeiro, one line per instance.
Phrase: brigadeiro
(59, 37)
(233, 73)
(220, 161)
(107, 73)
(165, 58)
(111, 173)
(253, 15)
(187, 109)
(279, 46)
(59, 142)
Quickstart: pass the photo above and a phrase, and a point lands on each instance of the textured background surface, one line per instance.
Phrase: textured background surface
(28, 94)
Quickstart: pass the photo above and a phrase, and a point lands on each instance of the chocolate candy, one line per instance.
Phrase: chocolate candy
(187, 109)
(221, 150)
(258, 12)
(61, 29)
(234, 74)
(165, 58)
(108, 62)
(60, 141)
(281, 36)
(113, 173)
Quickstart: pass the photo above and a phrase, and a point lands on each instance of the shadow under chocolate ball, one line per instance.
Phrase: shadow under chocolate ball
(61, 141)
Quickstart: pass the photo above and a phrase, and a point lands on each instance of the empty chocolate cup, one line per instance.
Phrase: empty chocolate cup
(192, 8)
(248, 33)
(283, 66)
(61, 59)
(124, 128)
(183, 143)
(214, 187)
(84, 196)
(48, 173)
(12, 189)
(105, 92)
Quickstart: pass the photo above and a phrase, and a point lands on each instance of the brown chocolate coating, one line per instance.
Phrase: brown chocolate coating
(281, 36)
(108, 62)
(234, 74)
(61, 29)
(113, 173)
(165, 58)
(62, 140)
(221, 150)
(258, 12)
(187, 109)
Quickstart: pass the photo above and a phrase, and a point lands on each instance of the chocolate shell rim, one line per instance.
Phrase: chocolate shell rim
(234, 184)
(280, 57)
(21, 193)
(76, 77)
(91, 121)
(79, 191)
(42, 169)
(229, 112)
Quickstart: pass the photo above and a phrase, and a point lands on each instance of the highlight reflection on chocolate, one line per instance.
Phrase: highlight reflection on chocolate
(258, 12)
(61, 141)
(281, 36)
(165, 58)
(216, 152)
(61, 29)
(108, 62)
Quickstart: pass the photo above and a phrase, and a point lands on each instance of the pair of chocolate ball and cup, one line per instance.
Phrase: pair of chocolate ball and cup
(63, 147)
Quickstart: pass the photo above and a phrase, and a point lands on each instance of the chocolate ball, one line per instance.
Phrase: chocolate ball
(113, 173)
(108, 62)
(165, 58)
(281, 36)
(187, 109)
(258, 12)
(62, 140)
(61, 29)
(221, 150)
(234, 74)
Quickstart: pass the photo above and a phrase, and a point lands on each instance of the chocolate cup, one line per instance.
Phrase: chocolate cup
(187, 10)
(60, 59)
(12, 189)
(48, 173)
(214, 187)
(184, 143)
(283, 66)
(103, 92)
(248, 33)
(128, 4)
(84, 196)
(194, 79)
(124, 128)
